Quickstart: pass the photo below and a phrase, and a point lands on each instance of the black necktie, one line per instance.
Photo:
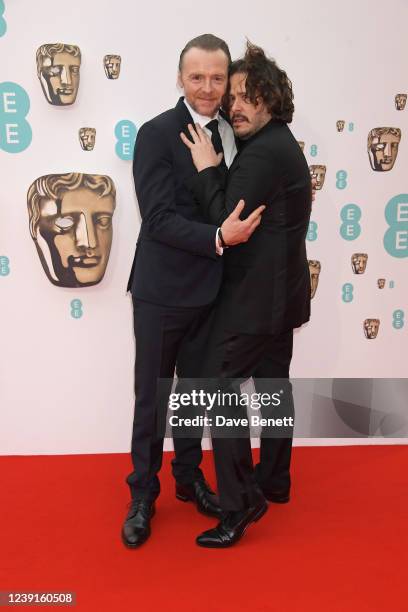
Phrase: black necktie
(216, 139)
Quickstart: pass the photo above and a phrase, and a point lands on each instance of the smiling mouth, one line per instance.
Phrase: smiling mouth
(84, 262)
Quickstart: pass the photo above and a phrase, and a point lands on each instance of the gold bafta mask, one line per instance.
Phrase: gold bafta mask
(58, 70)
(340, 125)
(381, 283)
(318, 172)
(70, 220)
(382, 147)
(314, 271)
(359, 262)
(371, 327)
(400, 101)
(87, 138)
(301, 144)
(112, 66)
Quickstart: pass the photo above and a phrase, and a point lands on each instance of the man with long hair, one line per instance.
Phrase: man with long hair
(265, 292)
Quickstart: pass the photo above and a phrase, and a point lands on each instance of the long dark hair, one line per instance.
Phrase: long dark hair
(264, 79)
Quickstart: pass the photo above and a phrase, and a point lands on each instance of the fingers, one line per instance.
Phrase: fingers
(186, 141)
(201, 134)
(255, 214)
(238, 209)
(193, 133)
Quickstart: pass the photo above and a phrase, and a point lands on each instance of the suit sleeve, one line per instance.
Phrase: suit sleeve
(155, 191)
(255, 178)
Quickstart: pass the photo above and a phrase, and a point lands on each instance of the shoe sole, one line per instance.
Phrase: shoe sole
(255, 519)
(278, 500)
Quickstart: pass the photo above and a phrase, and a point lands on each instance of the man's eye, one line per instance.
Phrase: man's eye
(196, 77)
(380, 147)
(104, 221)
(64, 223)
(75, 69)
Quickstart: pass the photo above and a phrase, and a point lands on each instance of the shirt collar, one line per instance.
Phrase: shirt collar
(200, 119)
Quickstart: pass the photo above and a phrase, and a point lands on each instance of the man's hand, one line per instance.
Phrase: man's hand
(201, 149)
(235, 231)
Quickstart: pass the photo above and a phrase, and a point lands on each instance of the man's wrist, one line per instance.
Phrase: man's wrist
(221, 238)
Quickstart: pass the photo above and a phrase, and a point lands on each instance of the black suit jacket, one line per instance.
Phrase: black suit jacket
(266, 287)
(175, 263)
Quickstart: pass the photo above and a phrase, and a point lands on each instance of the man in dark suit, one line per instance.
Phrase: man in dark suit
(265, 293)
(175, 276)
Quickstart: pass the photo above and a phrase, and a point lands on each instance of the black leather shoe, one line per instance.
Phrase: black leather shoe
(202, 495)
(277, 497)
(232, 527)
(136, 528)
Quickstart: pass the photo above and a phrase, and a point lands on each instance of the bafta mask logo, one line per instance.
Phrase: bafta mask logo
(58, 70)
(382, 147)
(400, 101)
(340, 125)
(87, 138)
(381, 283)
(112, 66)
(301, 144)
(314, 271)
(359, 262)
(371, 327)
(318, 172)
(70, 219)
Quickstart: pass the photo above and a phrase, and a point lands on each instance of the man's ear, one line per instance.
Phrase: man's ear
(179, 80)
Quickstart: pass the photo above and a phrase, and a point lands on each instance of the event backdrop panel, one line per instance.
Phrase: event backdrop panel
(77, 81)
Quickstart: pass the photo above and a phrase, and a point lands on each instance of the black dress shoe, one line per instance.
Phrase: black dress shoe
(232, 527)
(277, 497)
(136, 528)
(202, 495)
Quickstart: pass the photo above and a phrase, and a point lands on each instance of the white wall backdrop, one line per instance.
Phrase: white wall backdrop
(66, 383)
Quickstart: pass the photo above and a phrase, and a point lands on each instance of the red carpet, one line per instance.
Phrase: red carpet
(341, 544)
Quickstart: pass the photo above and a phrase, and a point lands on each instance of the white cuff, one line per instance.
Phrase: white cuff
(219, 250)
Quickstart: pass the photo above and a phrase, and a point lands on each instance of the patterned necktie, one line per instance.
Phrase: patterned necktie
(216, 139)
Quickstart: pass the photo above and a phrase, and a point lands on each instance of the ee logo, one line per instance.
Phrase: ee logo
(76, 309)
(125, 132)
(351, 127)
(396, 236)
(4, 265)
(15, 131)
(347, 293)
(341, 179)
(398, 319)
(350, 229)
(313, 150)
(312, 231)
(3, 24)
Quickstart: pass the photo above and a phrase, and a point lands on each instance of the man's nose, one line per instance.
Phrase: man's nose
(85, 235)
(66, 75)
(235, 106)
(207, 86)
